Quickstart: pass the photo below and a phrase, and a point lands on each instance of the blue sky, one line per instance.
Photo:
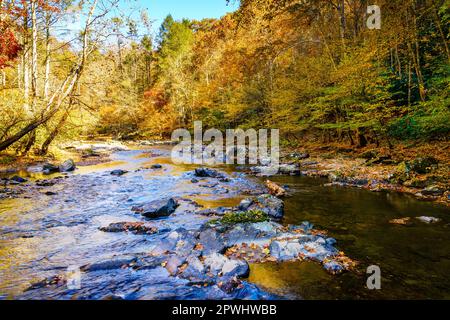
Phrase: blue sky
(157, 11)
(192, 9)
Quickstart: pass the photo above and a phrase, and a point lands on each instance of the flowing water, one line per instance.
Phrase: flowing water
(41, 234)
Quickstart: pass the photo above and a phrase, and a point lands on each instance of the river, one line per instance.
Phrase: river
(47, 229)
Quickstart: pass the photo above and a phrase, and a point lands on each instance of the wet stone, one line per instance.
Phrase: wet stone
(208, 173)
(157, 209)
(107, 265)
(134, 227)
(269, 204)
(118, 172)
(49, 168)
(67, 166)
(428, 219)
(18, 179)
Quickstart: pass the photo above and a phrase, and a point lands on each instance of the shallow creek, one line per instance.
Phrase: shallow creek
(42, 234)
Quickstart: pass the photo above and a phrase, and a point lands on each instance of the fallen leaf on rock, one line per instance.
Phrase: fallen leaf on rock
(275, 189)
(401, 221)
(199, 247)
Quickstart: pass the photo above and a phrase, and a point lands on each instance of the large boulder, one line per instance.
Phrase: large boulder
(157, 209)
(67, 166)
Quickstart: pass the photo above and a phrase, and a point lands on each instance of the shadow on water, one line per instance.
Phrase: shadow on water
(414, 259)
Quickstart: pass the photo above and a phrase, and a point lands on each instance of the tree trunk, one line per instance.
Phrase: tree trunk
(30, 143)
(362, 141)
(54, 133)
(34, 54)
(47, 56)
(441, 32)
(3, 78)
(342, 24)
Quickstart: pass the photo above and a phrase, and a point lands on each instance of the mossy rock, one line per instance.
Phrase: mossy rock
(402, 173)
(251, 216)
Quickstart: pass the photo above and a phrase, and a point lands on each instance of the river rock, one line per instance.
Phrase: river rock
(245, 204)
(275, 189)
(173, 263)
(269, 204)
(67, 166)
(156, 166)
(236, 268)
(208, 173)
(49, 168)
(283, 169)
(107, 264)
(428, 219)
(45, 183)
(219, 211)
(158, 208)
(285, 250)
(215, 262)
(134, 227)
(195, 269)
(209, 238)
(18, 179)
(433, 191)
(118, 172)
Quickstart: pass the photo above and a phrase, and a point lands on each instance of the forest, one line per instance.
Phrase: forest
(352, 203)
(310, 68)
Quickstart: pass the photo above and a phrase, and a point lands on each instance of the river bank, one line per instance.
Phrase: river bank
(420, 170)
